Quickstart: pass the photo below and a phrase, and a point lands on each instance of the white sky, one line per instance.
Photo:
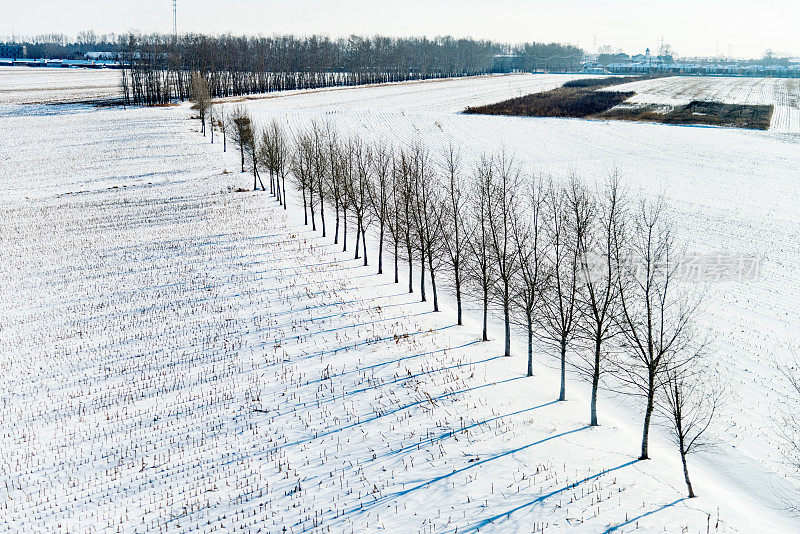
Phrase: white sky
(700, 27)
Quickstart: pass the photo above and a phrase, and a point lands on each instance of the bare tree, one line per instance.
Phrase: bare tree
(346, 175)
(416, 164)
(273, 155)
(201, 99)
(690, 402)
(282, 157)
(320, 170)
(530, 245)
(787, 423)
(301, 169)
(211, 118)
(266, 150)
(566, 223)
(394, 219)
(654, 315)
(455, 234)
(479, 267)
(252, 150)
(222, 124)
(380, 193)
(358, 191)
(599, 290)
(335, 185)
(242, 130)
(404, 178)
(428, 210)
(502, 211)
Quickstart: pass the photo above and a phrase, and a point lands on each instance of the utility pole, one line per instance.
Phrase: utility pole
(175, 21)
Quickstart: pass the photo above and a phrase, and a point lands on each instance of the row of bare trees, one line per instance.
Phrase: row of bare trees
(158, 69)
(787, 425)
(586, 272)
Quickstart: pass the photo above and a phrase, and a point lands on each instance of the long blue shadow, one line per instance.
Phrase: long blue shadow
(389, 362)
(637, 518)
(320, 264)
(377, 416)
(394, 337)
(345, 327)
(489, 520)
(415, 375)
(342, 303)
(445, 435)
(322, 318)
(352, 392)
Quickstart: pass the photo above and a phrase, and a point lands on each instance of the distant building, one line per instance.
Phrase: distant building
(507, 63)
(13, 51)
(101, 56)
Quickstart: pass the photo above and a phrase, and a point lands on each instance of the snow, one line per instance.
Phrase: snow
(680, 90)
(39, 85)
(177, 354)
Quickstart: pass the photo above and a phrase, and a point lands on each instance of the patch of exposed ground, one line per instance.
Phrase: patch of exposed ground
(582, 99)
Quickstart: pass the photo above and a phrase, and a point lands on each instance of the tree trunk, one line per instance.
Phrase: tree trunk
(305, 207)
(595, 380)
(530, 344)
(321, 206)
(344, 230)
(396, 264)
(486, 312)
(364, 243)
(651, 392)
(433, 281)
(563, 395)
(336, 231)
(458, 292)
(358, 236)
(422, 273)
(686, 474)
(257, 177)
(241, 150)
(507, 318)
(380, 249)
(311, 207)
(410, 266)
(283, 178)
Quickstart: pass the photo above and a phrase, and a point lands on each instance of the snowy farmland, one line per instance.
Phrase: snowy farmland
(783, 93)
(24, 85)
(179, 355)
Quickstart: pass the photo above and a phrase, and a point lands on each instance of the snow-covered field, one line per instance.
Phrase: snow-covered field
(783, 93)
(40, 85)
(179, 355)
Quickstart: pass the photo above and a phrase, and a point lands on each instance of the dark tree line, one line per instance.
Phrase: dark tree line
(159, 68)
(586, 271)
(60, 46)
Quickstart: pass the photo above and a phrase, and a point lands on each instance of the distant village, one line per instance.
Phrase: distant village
(607, 62)
(647, 63)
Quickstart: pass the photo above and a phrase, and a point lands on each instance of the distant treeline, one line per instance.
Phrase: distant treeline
(60, 46)
(159, 68)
